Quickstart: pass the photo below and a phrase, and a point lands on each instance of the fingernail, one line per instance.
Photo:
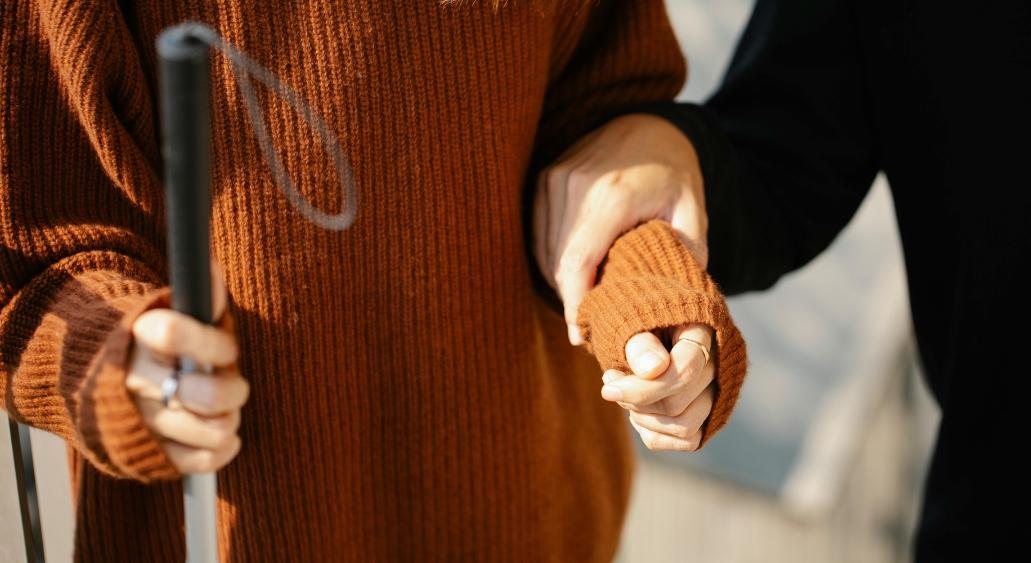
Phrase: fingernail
(608, 377)
(612, 393)
(649, 362)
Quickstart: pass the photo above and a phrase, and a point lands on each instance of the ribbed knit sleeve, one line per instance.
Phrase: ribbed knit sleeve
(624, 52)
(66, 341)
(650, 281)
(81, 249)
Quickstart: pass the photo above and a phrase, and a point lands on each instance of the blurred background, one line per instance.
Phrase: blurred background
(825, 456)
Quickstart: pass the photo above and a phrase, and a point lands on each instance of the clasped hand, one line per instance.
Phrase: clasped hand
(634, 169)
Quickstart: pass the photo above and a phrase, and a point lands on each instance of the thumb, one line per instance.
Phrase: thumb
(577, 268)
(646, 355)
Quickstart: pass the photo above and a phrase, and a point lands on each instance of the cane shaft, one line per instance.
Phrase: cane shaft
(185, 86)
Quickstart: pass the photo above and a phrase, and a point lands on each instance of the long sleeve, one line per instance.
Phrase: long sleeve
(623, 52)
(80, 223)
(650, 281)
(787, 145)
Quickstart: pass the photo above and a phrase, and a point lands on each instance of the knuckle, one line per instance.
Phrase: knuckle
(193, 460)
(667, 406)
(226, 344)
(245, 390)
(217, 438)
(614, 194)
(694, 421)
(234, 348)
(217, 394)
(226, 439)
(202, 391)
(207, 394)
(206, 461)
(136, 383)
(573, 260)
(554, 175)
(581, 179)
(688, 375)
(681, 431)
(632, 399)
(223, 425)
(169, 335)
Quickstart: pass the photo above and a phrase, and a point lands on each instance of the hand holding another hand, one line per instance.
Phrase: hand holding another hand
(636, 168)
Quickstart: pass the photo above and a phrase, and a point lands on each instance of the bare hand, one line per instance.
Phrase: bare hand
(198, 427)
(634, 169)
(670, 393)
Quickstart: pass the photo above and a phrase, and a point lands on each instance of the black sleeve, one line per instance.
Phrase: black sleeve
(787, 145)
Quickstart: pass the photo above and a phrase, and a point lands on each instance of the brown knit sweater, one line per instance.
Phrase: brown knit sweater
(412, 397)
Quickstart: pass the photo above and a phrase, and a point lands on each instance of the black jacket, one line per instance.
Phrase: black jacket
(820, 96)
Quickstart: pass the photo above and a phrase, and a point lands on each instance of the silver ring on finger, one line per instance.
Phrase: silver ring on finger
(170, 386)
(705, 351)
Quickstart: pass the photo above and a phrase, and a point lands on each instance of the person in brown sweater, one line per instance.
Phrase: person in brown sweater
(412, 397)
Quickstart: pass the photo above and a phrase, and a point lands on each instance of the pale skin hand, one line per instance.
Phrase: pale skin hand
(198, 429)
(634, 169)
(670, 393)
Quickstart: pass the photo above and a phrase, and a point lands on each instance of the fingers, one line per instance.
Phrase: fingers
(213, 395)
(686, 424)
(195, 460)
(664, 442)
(697, 332)
(204, 394)
(540, 228)
(186, 428)
(168, 334)
(670, 393)
(646, 355)
(602, 219)
(578, 216)
(198, 429)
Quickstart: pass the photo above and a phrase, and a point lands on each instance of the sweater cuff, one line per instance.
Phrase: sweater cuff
(650, 281)
(112, 432)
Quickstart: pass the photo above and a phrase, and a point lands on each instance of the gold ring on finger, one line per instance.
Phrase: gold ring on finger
(705, 351)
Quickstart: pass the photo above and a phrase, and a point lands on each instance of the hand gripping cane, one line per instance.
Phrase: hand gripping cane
(183, 53)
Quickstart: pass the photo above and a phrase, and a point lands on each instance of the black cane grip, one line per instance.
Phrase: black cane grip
(184, 63)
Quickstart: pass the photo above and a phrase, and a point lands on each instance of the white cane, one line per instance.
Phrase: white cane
(185, 89)
(184, 61)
